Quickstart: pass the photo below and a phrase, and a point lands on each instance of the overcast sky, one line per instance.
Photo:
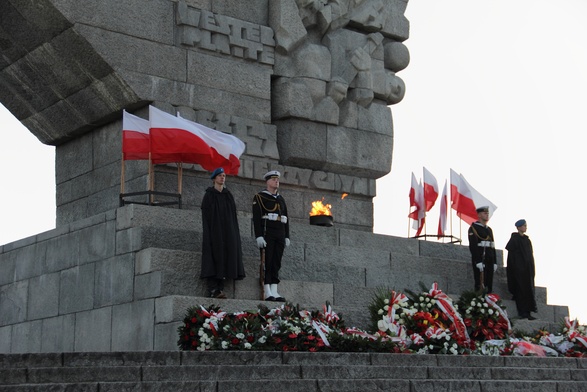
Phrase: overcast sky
(495, 90)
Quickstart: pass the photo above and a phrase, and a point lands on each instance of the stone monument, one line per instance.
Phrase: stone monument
(305, 84)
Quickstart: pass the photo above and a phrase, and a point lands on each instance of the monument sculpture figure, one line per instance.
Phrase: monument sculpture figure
(306, 84)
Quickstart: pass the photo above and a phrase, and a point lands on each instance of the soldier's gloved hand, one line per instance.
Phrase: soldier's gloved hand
(287, 242)
(261, 243)
(480, 266)
(494, 267)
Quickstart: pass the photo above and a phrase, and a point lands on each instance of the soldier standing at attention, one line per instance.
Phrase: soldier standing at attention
(482, 247)
(271, 231)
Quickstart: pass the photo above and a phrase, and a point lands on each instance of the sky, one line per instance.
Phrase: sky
(495, 90)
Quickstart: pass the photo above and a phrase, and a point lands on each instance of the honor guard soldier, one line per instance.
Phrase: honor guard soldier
(271, 227)
(482, 247)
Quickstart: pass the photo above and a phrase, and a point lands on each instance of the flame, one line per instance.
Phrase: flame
(318, 208)
(344, 195)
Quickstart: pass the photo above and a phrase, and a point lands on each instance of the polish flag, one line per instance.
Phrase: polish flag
(413, 198)
(175, 139)
(465, 199)
(417, 201)
(443, 212)
(135, 137)
(430, 189)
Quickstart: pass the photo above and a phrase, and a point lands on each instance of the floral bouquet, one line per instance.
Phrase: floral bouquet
(571, 341)
(427, 322)
(292, 329)
(285, 328)
(200, 329)
(484, 316)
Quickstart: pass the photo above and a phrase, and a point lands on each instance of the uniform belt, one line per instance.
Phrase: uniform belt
(486, 244)
(278, 219)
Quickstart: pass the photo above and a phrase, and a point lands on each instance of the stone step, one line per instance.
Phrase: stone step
(328, 385)
(301, 263)
(268, 371)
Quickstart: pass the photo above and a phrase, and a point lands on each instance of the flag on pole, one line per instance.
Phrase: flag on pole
(414, 198)
(418, 214)
(443, 212)
(228, 146)
(430, 189)
(465, 199)
(175, 139)
(135, 137)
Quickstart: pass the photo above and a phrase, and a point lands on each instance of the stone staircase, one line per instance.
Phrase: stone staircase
(342, 266)
(123, 280)
(127, 340)
(276, 371)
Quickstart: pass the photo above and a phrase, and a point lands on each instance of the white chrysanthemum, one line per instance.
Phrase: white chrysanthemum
(386, 301)
(380, 311)
(248, 345)
(386, 308)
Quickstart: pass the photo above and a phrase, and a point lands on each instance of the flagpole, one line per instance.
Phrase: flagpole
(122, 174)
(151, 180)
(408, 225)
(179, 177)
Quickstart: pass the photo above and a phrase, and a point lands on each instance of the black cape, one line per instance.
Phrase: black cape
(520, 273)
(221, 240)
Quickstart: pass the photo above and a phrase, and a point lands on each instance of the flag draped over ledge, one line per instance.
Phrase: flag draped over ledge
(465, 199)
(136, 143)
(175, 139)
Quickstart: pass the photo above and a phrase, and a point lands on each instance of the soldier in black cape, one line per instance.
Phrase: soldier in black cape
(521, 271)
(221, 241)
(271, 226)
(482, 247)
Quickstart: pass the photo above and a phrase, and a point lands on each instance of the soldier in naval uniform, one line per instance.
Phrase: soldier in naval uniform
(271, 227)
(482, 247)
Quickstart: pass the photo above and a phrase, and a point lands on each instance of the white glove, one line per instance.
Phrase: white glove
(494, 267)
(287, 242)
(480, 266)
(261, 243)
(284, 219)
(272, 216)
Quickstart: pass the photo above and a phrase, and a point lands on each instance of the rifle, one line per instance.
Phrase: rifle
(262, 274)
(482, 272)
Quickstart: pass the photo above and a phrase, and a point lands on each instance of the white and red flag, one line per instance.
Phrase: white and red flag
(418, 214)
(135, 137)
(414, 190)
(443, 212)
(430, 189)
(175, 139)
(465, 199)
